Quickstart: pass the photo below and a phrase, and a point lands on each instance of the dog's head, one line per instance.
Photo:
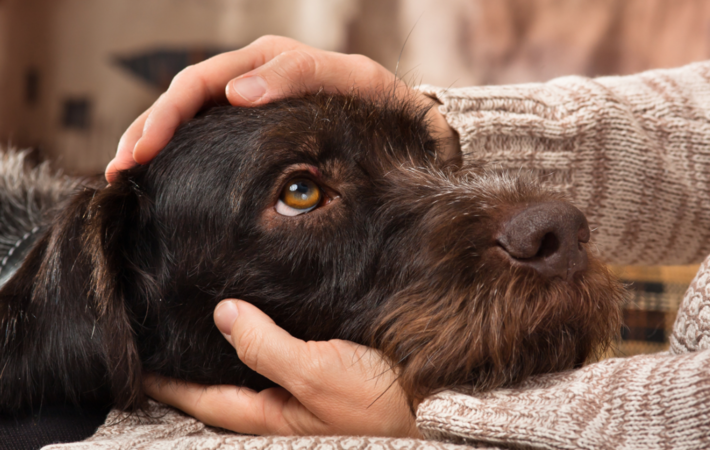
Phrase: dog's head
(334, 215)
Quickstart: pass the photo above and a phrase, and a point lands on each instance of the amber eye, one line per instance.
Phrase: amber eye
(298, 196)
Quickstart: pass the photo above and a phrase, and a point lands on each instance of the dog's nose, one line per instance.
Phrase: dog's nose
(547, 237)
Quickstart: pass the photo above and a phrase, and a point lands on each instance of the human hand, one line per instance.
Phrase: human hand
(268, 69)
(332, 387)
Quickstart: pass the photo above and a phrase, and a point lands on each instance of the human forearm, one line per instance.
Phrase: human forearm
(649, 401)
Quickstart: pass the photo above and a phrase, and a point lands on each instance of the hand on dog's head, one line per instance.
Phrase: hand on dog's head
(334, 216)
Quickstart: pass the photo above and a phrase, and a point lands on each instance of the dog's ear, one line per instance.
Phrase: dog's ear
(114, 239)
(66, 328)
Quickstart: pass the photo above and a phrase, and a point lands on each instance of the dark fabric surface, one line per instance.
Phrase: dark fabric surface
(654, 296)
(54, 424)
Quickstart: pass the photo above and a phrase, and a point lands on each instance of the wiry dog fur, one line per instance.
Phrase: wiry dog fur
(400, 256)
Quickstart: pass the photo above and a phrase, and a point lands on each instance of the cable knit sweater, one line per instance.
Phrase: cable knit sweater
(634, 154)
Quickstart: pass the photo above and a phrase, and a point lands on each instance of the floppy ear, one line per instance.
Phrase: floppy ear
(114, 240)
(65, 329)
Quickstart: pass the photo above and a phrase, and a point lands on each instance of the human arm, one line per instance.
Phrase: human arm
(646, 401)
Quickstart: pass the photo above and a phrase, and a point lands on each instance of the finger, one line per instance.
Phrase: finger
(271, 411)
(124, 155)
(210, 404)
(302, 70)
(200, 84)
(263, 346)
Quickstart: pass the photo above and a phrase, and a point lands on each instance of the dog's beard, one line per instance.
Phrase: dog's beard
(466, 313)
(508, 326)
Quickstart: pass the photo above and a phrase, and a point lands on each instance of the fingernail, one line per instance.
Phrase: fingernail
(224, 316)
(251, 88)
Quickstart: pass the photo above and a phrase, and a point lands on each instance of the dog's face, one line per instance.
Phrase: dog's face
(334, 216)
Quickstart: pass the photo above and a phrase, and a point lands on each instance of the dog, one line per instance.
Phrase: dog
(331, 213)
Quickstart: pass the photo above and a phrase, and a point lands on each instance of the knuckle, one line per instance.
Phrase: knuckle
(266, 39)
(316, 367)
(358, 59)
(270, 40)
(183, 76)
(248, 347)
(365, 66)
(302, 64)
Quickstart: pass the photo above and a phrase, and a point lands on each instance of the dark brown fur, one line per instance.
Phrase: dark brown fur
(125, 278)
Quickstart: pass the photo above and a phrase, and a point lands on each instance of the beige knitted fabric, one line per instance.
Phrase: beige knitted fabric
(691, 331)
(167, 429)
(644, 402)
(634, 154)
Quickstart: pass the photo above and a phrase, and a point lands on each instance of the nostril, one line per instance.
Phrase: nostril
(547, 237)
(549, 245)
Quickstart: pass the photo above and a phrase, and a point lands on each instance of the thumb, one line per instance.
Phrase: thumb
(289, 73)
(300, 71)
(262, 345)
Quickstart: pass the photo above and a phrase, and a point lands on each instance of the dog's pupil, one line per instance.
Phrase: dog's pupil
(301, 194)
(302, 188)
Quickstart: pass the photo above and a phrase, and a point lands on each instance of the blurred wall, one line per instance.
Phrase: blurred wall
(65, 52)
(472, 42)
(63, 91)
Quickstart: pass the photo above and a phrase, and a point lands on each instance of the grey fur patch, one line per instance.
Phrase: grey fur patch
(28, 194)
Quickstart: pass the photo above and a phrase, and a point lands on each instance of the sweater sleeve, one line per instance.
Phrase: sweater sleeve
(644, 402)
(691, 330)
(632, 152)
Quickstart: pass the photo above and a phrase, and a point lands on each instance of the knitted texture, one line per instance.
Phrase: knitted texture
(643, 402)
(164, 428)
(691, 331)
(634, 154)
(631, 152)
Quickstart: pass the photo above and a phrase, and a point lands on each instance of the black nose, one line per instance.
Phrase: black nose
(547, 237)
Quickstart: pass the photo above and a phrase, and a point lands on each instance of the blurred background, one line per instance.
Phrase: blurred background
(75, 73)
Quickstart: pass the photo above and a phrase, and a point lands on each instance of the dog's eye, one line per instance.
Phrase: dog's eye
(299, 196)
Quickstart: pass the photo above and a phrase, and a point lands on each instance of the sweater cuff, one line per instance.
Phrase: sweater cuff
(526, 117)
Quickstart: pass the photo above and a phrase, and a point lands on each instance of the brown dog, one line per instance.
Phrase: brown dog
(330, 213)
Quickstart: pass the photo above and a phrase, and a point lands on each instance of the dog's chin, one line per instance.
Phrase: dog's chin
(510, 325)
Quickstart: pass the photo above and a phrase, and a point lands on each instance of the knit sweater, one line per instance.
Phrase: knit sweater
(634, 154)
